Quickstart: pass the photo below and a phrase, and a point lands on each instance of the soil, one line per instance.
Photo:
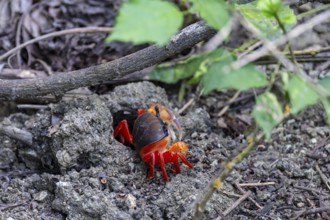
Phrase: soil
(74, 169)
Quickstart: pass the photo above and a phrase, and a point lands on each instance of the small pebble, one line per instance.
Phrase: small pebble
(300, 204)
(41, 196)
(194, 135)
(327, 147)
(131, 201)
(214, 163)
(313, 141)
(291, 121)
(203, 135)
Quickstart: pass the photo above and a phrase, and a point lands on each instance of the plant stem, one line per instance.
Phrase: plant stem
(289, 41)
(228, 167)
(313, 11)
(273, 77)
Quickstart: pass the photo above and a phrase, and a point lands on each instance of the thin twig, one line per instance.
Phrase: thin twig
(311, 212)
(7, 73)
(311, 190)
(47, 68)
(56, 34)
(256, 184)
(314, 10)
(248, 96)
(4, 207)
(310, 51)
(231, 100)
(323, 66)
(300, 59)
(231, 194)
(250, 49)
(186, 106)
(321, 144)
(30, 106)
(222, 34)
(234, 205)
(298, 30)
(323, 177)
(18, 38)
(249, 198)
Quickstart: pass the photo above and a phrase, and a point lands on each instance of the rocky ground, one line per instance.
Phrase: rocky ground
(74, 169)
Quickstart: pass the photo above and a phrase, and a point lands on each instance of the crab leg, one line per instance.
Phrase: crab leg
(175, 161)
(185, 161)
(150, 159)
(170, 157)
(162, 166)
(123, 130)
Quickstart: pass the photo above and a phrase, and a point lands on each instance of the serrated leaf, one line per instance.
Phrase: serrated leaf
(266, 25)
(214, 12)
(301, 94)
(219, 77)
(185, 69)
(326, 105)
(325, 83)
(145, 21)
(267, 113)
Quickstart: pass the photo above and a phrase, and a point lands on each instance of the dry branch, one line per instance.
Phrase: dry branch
(17, 134)
(60, 83)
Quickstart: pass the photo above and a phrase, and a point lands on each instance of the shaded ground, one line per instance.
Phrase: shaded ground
(75, 170)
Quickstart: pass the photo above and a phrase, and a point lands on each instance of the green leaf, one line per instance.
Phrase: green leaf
(193, 66)
(146, 21)
(285, 78)
(214, 12)
(301, 94)
(267, 113)
(199, 72)
(325, 83)
(287, 16)
(272, 8)
(268, 26)
(172, 74)
(214, 56)
(269, 7)
(220, 77)
(326, 105)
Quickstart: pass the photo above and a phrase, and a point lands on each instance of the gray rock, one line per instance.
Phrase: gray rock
(7, 157)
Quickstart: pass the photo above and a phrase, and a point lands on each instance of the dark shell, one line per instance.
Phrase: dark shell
(129, 115)
(148, 129)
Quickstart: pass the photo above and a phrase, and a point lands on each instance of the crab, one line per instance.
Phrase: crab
(150, 132)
